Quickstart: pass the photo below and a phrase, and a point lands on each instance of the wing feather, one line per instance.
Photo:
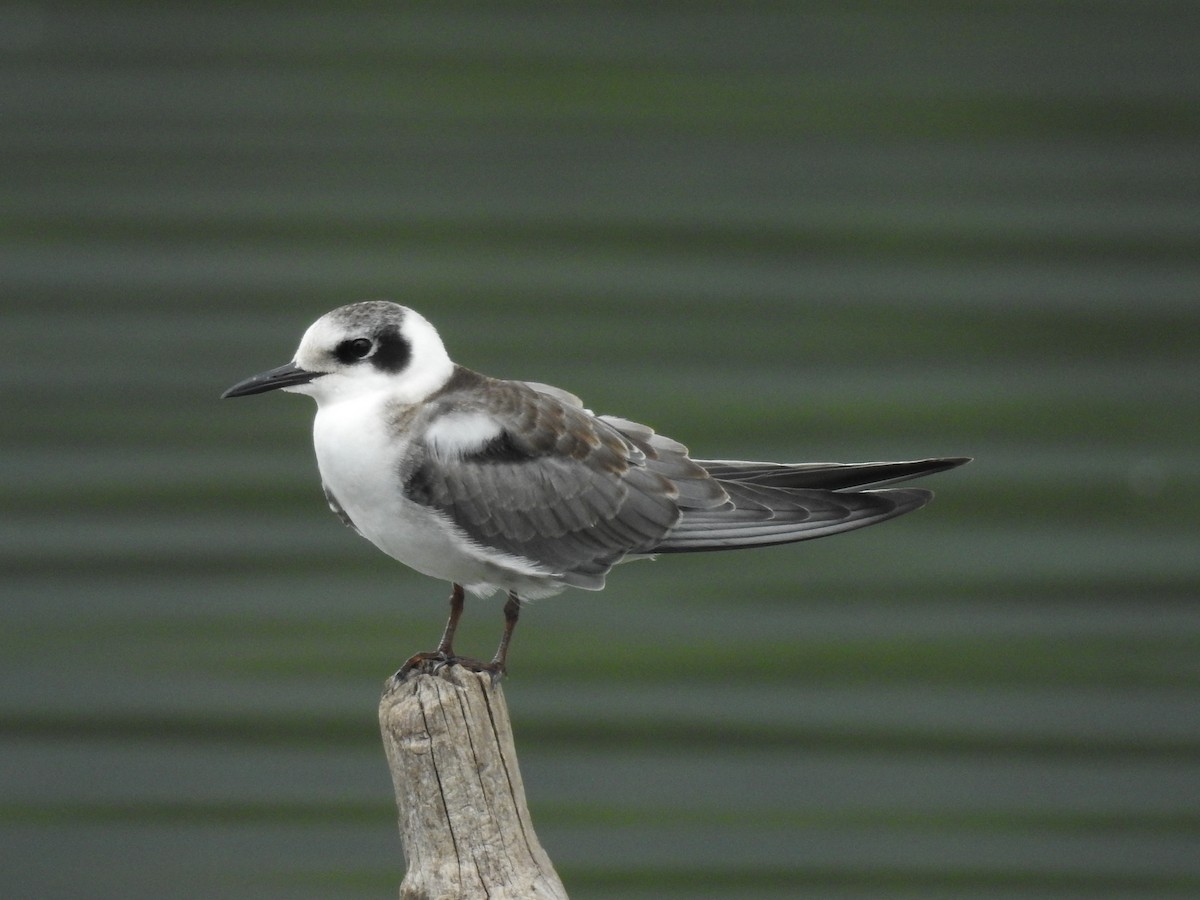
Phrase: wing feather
(760, 517)
(573, 493)
(827, 476)
(558, 487)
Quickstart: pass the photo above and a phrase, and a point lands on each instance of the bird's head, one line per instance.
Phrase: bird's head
(359, 349)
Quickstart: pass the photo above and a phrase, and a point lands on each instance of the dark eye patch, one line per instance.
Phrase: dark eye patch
(393, 352)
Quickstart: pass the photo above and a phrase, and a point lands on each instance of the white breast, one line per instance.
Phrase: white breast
(359, 459)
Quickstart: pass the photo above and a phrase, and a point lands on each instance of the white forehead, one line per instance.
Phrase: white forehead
(321, 335)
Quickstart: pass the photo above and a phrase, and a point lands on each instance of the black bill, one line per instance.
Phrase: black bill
(281, 377)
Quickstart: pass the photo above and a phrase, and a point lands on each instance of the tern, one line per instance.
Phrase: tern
(514, 486)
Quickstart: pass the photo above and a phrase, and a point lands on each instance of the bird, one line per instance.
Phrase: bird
(502, 485)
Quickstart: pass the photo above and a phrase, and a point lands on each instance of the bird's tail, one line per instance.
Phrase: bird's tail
(777, 503)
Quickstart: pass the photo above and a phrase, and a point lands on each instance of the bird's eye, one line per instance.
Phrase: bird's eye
(350, 351)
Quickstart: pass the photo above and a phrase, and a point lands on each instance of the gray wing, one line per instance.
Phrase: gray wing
(827, 476)
(575, 493)
(759, 517)
(775, 503)
(566, 490)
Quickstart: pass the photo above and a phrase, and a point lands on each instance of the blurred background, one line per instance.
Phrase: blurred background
(826, 231)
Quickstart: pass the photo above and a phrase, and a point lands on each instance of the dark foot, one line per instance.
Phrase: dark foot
(429, 662)
(433, 661)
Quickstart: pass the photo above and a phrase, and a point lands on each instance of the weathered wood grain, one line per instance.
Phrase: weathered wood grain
(464, 822)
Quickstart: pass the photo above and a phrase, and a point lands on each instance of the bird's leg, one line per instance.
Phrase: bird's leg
(512, 612)
(446, 644)
(444, 654)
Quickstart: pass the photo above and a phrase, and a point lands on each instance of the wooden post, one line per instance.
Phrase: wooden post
(464, 823)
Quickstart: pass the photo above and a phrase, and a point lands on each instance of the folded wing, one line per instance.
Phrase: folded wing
(778, 503)
(530, 473)
(524, 470)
